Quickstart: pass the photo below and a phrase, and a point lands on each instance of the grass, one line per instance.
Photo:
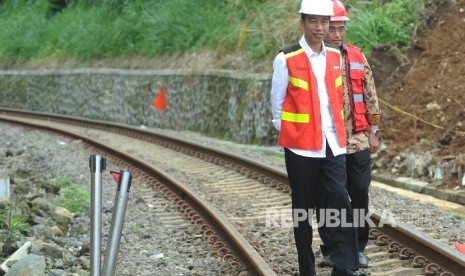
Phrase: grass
(88, 30)
(138, 229)
(393, 23)
(457, 215)
(74, 197)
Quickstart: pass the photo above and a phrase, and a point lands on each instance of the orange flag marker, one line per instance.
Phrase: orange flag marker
(460, 247)
(115, 175)
(160, 100)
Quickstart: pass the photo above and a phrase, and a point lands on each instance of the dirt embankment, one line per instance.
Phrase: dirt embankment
(433, 88)
(428, 83)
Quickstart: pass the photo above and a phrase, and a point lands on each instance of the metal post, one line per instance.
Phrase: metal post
(415, 132)
(117, 220)
(5, 188)
(97, 164)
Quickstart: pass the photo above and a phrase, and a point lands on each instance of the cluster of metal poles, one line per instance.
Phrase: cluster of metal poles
(97, 164)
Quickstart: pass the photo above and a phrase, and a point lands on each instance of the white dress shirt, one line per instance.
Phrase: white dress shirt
(279, 85)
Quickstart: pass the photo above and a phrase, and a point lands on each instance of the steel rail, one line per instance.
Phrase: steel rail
(234, 240)
(437, 253)
(448, 259)
(277, 175)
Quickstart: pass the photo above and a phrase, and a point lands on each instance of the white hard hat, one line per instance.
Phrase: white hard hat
(317, 7)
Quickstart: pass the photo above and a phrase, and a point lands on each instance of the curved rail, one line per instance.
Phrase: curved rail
(115, 127)
(439, 256)
(234, 240)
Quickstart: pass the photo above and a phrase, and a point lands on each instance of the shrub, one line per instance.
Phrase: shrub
(256, 29)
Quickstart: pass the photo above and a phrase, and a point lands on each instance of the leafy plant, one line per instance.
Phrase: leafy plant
(14, 229)
(11, 228)
(74, 197)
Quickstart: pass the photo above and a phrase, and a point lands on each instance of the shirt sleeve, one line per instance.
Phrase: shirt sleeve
(279, 84)
(370, 95)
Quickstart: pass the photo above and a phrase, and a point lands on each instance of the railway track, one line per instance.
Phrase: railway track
(243, 194)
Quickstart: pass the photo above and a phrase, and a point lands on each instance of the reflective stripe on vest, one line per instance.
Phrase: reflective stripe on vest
(357, 66)
(295, 117)
(338, 81)
(291, 54)
(332, 49)
(358, 98)
(298, 83)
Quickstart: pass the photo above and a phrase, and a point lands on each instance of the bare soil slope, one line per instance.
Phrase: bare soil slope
(423, 100)
(433, 88)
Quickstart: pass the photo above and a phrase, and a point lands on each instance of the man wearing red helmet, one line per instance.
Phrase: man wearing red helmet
(362, 120)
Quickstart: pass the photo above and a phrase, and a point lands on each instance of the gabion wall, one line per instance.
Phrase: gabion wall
(220, 104)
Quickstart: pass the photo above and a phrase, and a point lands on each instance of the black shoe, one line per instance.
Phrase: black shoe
(326, 262)
(362, 260)
(347, 272)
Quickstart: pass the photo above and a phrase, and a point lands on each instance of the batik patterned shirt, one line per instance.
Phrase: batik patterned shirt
(359, 141)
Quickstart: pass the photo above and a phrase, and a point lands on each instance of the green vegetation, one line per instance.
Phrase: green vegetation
(457, 215)
(86, 29)
(74, 197)
(11, 228)
(137, 229)
(376, 23)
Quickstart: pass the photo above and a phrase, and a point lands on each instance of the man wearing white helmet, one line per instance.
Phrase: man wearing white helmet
(362, 120)
(307, 107)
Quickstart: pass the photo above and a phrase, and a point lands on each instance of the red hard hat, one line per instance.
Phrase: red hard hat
(340, 13)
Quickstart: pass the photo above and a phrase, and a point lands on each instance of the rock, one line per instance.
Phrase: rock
(157, 256)
(30, 265)
(433, 106)
(55, 272)
(40, 203)
(56, 231)
(63, 212)
(85, 262)
(63, 218)
(47, 249)
(19, 254)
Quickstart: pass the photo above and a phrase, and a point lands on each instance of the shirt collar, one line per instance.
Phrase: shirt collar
(308, 50)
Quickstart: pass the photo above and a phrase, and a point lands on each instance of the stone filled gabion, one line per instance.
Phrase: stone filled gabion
(222, 104)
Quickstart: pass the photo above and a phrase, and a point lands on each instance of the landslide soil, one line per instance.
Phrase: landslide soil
(424, 93)
(429, 83)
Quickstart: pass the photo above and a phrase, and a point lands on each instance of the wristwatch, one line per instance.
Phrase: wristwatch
(376, 132)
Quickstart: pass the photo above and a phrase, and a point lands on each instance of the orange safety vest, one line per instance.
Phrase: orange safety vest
(355, 70)
(301, 117)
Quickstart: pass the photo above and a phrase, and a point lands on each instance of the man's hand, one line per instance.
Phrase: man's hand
(373, 138)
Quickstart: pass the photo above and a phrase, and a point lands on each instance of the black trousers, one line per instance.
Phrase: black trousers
(320, 177)
(358, 183)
